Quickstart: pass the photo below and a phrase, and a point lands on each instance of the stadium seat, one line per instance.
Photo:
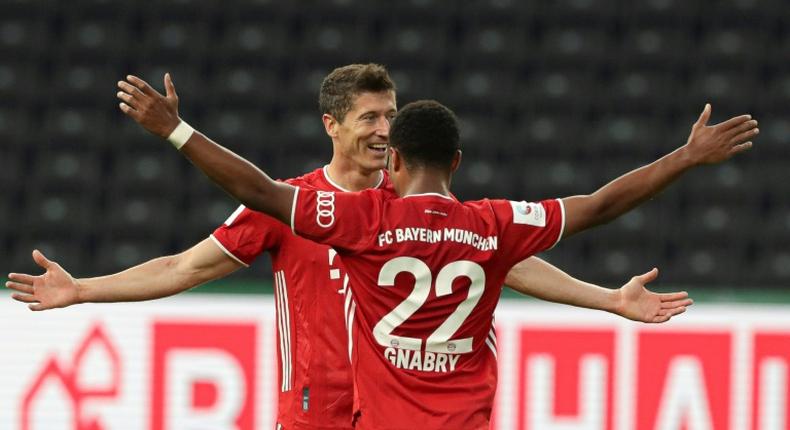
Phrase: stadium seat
(23, 38)
(251, 42)
(19, 84)
(17, 126)
(68, 170)
(156, 170)
(114, 254)
(76, 126)
(656, 47)
(712, 264)
(410, 42)
(242, 86)
(140, 215)
(207, 209)
(574, 46)
(72, 253)
(494, 44)
(639, 90)
(89, 40)
(566, 12)
(667, 12)
(416, 83)
(242, 130)
(60, 213)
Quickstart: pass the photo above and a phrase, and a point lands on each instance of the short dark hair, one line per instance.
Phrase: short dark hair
(426, 134)
(344, 83)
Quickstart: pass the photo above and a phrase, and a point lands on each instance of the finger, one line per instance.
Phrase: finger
(674, 312)
(668, 297)
(130, 111)
(142, 86)
(648, 277)
(170, 89)
(36, 307)
(740, 148)
(41, 260)
(745, 136)
(22, 288)
(704, 116)
(676, 304)
(24, 298)
(732, 122)
(660, 319)
(128, 99)
(21, 277)
(130, 89)
(739, 129)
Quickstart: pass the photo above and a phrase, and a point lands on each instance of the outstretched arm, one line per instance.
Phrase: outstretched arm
(157, 278)
(537, 278)
(705, 145)
(158, 114)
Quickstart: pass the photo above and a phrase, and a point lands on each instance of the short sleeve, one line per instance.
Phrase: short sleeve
(345, 221)
(529, 227)
(246, 234)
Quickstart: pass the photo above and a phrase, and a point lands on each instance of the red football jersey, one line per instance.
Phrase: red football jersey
(426, 274)
(315, 386)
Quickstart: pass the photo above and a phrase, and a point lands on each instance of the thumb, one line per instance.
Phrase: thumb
(170, 89)
(648, 277)
(704, 116)
(42, 261)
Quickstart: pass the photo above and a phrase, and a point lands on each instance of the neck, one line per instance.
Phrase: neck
(424, 181)
(351, 177)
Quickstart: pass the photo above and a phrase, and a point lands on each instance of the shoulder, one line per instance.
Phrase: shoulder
(310, 179)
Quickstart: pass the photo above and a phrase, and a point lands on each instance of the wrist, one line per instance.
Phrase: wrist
(180, 134)
(686, 157)
(80, 295)
(615, 301)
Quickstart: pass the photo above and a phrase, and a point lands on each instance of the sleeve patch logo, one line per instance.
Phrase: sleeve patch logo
(325, 208)
(529, 213)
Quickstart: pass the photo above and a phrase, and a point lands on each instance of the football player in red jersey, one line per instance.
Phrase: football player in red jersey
(426, 270)
(315, 389)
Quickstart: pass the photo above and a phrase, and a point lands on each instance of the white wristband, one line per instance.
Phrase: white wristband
(180, 134)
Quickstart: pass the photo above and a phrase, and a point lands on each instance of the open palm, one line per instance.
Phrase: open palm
(53, 289)
(640, 304)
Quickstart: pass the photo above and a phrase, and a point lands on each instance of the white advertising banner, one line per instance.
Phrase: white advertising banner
(208, 362)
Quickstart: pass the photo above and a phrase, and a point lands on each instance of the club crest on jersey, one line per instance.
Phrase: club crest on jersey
(528, 213)
(325, 208)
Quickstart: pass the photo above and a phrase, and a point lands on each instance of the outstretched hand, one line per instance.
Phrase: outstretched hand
(54, 289)
(157, 113)
(716, 143)
(640, 304)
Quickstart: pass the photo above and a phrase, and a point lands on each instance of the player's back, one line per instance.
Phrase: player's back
(426, 274)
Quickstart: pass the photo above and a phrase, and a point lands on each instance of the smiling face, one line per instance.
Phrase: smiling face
(363, 135)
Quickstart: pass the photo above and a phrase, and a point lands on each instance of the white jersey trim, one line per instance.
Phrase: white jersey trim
(562, 225)
(325, 171)
(491, 340)
(234, 215)
(293, 210)
(284, 327)
(430, 194)
(350, 310)
(225, 250)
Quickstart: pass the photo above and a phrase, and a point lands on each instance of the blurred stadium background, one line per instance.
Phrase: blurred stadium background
(556, 98)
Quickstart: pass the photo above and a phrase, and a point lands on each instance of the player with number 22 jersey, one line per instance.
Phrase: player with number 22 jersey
(427, 272)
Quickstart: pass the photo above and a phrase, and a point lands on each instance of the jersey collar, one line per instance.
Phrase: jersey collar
(430, 194)
(325, 171)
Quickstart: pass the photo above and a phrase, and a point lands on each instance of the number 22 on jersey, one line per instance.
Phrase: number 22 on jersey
(439, 341)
